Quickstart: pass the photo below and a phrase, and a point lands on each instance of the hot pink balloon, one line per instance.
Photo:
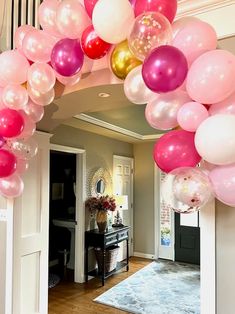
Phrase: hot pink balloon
(165, 7)
(226, 106)
(37, 46)
(2, 141)
(15, 97)
(223, 182)
(11, 186)
(29, 126)
(20, 35)
(34, 111)
(41, 77)
(42, 99)
(164, 69)
(191, 115)
(69, 80)
(22, 166)
(13, 68)
(7, 163)
(11, 123)
(176, 149)
(89, 6)
(210, 77)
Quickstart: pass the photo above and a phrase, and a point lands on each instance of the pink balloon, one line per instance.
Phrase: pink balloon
(176, 149)
(194, 39)
(210, 77)
(15, 97)
(42, 99)
(47, 17)
(226, 106)
(7, 163)
(11, 123)
(41, 77)
(13, 68)
(89, 6)
(179, 24)
(29, 126)
(191, 115)
(12, 186)
(37, 46)
(20, 35)
(223, 182)
(71, 19)
(22, 166)
(34, 111)
(161, 112)
(69, 80)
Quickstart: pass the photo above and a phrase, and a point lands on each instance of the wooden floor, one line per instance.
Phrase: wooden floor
(71, 298)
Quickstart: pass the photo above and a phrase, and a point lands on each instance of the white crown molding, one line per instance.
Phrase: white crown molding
(112, 127)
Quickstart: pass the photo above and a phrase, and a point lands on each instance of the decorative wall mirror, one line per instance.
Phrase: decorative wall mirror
(100, 183)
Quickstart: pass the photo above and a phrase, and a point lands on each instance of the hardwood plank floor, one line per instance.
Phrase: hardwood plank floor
(71, 298)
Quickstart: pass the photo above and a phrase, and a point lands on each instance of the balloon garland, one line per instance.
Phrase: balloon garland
(174, 67)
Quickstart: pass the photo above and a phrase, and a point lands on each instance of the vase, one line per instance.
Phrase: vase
(101, 220)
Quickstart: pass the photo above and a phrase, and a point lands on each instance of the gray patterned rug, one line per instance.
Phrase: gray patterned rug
(162, 287)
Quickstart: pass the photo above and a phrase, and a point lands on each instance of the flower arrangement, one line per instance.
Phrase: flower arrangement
(94, 204)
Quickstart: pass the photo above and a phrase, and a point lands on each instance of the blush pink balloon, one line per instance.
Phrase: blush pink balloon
(29, 126)
(179, 24)
(41, 77)
(7, 163)
(226, 106)
(223, 182)
(37, 46)
(191, 115)
(176, 149)
(194, 39)
(20, 35)
(161, 112)
(22, 166)
(210, 77)
(15, 97)
(11, 186)
(42, 99)
(11, 123)
(34, 111)
(69, 80)
(13, 68)
(89, 6)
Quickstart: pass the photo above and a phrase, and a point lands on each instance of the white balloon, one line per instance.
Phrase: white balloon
(215, 139)
(112, 20)
(135, 89)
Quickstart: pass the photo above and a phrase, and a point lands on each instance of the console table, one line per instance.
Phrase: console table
(103, 240)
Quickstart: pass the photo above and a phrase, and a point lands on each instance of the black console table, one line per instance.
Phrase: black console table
(103, 240)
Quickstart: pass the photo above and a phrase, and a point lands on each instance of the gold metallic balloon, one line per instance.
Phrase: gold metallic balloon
(122, 60)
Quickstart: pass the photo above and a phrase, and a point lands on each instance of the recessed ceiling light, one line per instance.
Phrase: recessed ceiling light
(103, 95)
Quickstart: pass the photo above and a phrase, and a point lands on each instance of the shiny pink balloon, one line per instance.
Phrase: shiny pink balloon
(210, 77)
(165, 7)
(13, 68)
(89, 6)
(7, 163)
(176, 149)
(29, 126)
(11, 123)
(191, 115)
(11, 186)
(15, 97)
(223, 182)
(41, 77)
(179, 24)
(34, 111)
(226, 106)
(37, 46)
(22, 166)
(164, 69)
(42, 99)
(67, 57)
(20, 35)
(161, 112)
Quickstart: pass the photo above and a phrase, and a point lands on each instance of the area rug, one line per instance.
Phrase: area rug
(162, 287)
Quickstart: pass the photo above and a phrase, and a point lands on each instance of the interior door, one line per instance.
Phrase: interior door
(187, 238)
(123, 185)
(31, 217)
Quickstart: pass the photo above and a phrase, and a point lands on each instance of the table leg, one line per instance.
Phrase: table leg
(103, 268)
(127, 254)
(86, 264)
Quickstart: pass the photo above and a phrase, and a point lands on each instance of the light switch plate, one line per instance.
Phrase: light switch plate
(3, 215)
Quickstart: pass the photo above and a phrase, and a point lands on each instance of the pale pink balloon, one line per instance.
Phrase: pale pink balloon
(194, 39)
(161, 112)
(42, 99)
(29, 126)
(191, 115)
(22, 166)
(226, 106)
(179, 24)
(37, 46)
(211, 77)
(34, 111)
(13, 68)
(223, 182)
(72, 19)
(20, 35)
(69, 80)
(47, 17)
(15, 96)
(11, 186)
(41, 77)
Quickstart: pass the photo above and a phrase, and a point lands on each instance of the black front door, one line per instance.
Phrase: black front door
(187, 240)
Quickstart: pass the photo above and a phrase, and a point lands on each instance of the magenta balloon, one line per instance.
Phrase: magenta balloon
(226, 106)
(7, 163)
(67, 57)
(176, 149)
(2, 141)
(89, 6)
(165, 7)
(11, 123)
(164, 69)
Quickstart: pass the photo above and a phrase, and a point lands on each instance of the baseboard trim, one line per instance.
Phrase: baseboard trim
(143, 255)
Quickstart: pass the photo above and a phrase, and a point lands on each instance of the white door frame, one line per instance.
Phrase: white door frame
(207, 248)
(79, 208)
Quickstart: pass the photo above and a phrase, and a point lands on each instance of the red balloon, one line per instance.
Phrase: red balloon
(167, 8)
(93, 46)
(7, 163)
(11, 123)
(89, 6)
(176, 149)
